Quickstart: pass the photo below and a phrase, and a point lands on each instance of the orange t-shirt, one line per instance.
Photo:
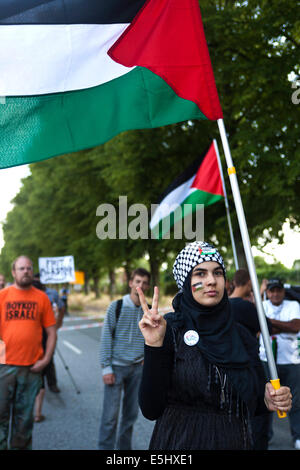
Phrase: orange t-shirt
(23, 314)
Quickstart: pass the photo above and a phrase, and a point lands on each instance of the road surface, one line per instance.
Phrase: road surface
(72, 419)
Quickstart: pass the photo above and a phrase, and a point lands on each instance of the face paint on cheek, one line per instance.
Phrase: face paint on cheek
(197, 286)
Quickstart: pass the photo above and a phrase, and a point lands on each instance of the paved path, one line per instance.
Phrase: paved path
(72, 419)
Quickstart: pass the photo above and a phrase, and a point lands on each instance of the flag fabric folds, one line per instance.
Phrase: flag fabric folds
(75, 73)
(200, 183)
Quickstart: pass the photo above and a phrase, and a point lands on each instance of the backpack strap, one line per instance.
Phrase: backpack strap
(118, 311)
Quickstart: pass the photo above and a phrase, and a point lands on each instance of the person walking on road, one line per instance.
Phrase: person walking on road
(64, 292)
(59, 312)
(49, 371)
(121, 357)
(199, 377)
(24, 312)
(245, 313)
(2, 281)
(285, 318)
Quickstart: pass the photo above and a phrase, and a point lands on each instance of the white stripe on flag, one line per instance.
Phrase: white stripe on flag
(41, 59)
(173, 199)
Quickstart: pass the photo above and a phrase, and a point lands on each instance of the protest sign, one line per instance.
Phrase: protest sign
(57, 270)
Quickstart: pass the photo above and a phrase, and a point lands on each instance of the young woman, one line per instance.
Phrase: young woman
(201, 369)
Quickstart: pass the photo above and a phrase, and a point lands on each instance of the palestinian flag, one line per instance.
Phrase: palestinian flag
(200, 183)
(75, 73)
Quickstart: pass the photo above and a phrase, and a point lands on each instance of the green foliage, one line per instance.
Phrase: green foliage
(273, 271)
(254, 48)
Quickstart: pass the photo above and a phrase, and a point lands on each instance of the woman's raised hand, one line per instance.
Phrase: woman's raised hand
(152, 324)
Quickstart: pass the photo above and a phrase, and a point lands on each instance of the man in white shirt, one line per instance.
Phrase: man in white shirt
(285, 318)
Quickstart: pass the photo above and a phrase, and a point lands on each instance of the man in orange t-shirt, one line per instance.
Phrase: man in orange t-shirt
(24, 312)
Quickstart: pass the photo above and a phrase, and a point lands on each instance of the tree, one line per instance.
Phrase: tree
(253, 47)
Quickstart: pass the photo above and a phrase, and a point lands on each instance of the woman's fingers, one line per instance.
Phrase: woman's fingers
(148, 321)
(281, 398)
(151, 319)
(155, 299)
(281, 394)
(153, 312)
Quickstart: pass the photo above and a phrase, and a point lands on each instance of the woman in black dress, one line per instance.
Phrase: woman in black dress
(201, 371)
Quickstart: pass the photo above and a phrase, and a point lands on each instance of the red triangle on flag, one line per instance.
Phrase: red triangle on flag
(167, 37)
(208, 177)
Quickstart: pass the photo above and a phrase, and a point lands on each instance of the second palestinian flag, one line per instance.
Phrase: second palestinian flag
(74, 73)
(199, 184)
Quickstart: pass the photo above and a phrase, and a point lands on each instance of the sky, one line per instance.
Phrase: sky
(10, 184)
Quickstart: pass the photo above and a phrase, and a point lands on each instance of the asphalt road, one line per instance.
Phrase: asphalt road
(72, 418)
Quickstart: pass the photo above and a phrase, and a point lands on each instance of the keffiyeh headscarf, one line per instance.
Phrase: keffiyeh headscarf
(192, 255)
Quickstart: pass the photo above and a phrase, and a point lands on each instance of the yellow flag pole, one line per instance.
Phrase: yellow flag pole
(250, 261)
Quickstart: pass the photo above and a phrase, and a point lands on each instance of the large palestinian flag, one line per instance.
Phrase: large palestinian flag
(200, 183)
(74, 73)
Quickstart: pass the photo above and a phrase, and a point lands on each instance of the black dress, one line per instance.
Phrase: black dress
(199, 408)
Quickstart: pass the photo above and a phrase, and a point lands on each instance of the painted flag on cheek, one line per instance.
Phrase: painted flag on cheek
(75, 73)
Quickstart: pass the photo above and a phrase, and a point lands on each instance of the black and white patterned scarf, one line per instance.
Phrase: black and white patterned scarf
(192, 255)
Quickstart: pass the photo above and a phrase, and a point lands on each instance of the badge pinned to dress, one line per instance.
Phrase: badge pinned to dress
(191, 337)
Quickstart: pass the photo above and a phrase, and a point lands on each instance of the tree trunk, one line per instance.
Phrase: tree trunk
(240, 253)
(112, 283)
(96, 286)
(86, 284)
(127, 270)
(154, 269)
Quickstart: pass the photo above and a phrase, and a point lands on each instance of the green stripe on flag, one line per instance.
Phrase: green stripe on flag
(202, 197)
(39, 127)
(188, 206)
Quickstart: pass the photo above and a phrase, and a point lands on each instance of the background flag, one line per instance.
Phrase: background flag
(75, 73)
(200, 183)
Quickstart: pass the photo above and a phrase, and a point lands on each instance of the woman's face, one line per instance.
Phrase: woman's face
(208, 283)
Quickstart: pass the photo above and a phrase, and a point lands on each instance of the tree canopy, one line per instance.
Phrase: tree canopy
(254, 48)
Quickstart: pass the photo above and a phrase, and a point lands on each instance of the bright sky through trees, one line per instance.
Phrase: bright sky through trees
(10, 183)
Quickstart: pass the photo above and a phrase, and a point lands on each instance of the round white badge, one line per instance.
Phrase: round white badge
(191, 338)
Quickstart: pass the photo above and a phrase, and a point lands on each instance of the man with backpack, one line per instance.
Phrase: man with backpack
(121, 358)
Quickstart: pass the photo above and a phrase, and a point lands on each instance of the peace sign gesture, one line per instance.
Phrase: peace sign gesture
(152, 324)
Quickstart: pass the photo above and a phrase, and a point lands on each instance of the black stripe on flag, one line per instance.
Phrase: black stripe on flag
(184, 177)
(19, 12)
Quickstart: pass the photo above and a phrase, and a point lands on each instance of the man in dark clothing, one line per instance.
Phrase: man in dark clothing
(2, 281)
(59, 312)
(245, 313)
